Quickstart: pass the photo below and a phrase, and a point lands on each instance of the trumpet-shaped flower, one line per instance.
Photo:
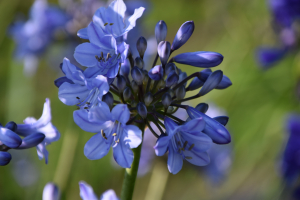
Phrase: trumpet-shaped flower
(42, 125)
(185, 141)
(111, 130)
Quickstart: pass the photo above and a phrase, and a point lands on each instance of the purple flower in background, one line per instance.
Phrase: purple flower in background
(51, 192)
(111, 130)
(43, 125)
(87, 193)
(290, 161)
(33, 36)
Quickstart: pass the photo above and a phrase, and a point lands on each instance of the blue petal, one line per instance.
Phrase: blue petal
(199, 59)
(212, 82)
(109, 195)
(133, 136)
(115, 14)
(123, 154)
(161, 145)
(123, 49)
(42, 152)
(193, 126)
(81, 118)
(31, 140)
(101, 113)
(225, 83)
(195, 84)
(183, 34)
(92, 72)
(121, 113)
(130, 22)
(86, 191)
(68, 93)
(99, 82)
(72, 72)
(197, 158)
(174, 161)
(58, 82)
(82, 33)
(201, 141)
(51, 192)
(85, 54)
(51, 133)
(113, 71)
(5, 158)
(97, 147)
(9, 138)
(171, 126)
(172, 79)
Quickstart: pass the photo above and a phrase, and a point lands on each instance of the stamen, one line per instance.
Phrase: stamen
(191, 147)
(103, 134)
(86, 107)
(108, 56)
(188, 157)
(77, 98)
(118, 140)
(115, 134)
(182, 149)
(88, 103)
(105, 24)
(111, 23)
(101, 55)
(185, 143)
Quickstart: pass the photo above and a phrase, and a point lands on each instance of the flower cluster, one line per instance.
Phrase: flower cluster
(285, 14)
(51, 192)
(144, 96)
(37, 133)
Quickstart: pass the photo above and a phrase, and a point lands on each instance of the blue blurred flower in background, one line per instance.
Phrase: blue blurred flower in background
(32, 37)
(285, 15)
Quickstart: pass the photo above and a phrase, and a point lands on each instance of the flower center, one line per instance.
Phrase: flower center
(90, 101)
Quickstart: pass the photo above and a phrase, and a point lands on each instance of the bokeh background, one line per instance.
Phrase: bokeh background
(257, 104)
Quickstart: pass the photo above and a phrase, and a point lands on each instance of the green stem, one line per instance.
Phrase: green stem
(131, 173)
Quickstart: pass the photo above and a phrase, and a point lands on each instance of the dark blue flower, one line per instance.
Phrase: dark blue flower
(5, 158)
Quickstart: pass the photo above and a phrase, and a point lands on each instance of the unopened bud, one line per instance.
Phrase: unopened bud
(31, 140)
(180, 92)
(163, 50)
(148, 98)
(133, 103)
(141, 46)
(161, 31)
(202, 107)
(170, 67)
(172, 79)
(212, 82)
(161, 84)
(170, 109)
(183, 34)
(134, 86)
(11, 126)
(139, 62)
(182, 76)
(121, 83)
(166, 100)
(127, 93)
(156, 73)
(142, 110)
(108, 98)
(137, 74)
(5, 158)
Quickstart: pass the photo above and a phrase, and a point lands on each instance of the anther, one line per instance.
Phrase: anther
(101, 55)
(182, 149)
(185, 143)
(191, 147)
(108, 56)
(88, 103)
(115, 134)
(103, 134)
(111, 23)
(188, 157)
(77, 98)
(105, 24)
(118, 141)
(86, 107)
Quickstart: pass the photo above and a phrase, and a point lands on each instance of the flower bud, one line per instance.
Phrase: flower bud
(139, 62)
(11, 126)
(121, 83)
(8, 137)
(161, 31)
(31, 140)
(5, 158)
(134, 86)
(127, 93)
(142, 110)
(108, 98)
(137, 75)
(156, 73)
(166, 100)
(183, 34)
(222, 120)
(125, 68)
(170, 109)
(58, 82)
(182, 76)
(171, 92)
(203, 59)
(141, 46)
(148, 98)
(161, 84)
(212, 82)
(180, 92)
(172, 79)
(195, 84)
(163, 50)
(146, 78)
(51, 192)
(170, 67)
(225, 83)
(202, 107)
(133, 103)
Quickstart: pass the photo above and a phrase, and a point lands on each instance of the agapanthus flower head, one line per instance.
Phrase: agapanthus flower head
(147, 96)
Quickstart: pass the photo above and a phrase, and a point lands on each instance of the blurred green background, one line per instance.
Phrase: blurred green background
(257, 104)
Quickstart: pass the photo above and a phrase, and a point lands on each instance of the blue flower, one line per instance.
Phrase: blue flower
(79, 90)
(185, 141)
(111, 130)
(51, 192)
(42, 125)
(87, 193)
(268, 56)
(8, 135)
